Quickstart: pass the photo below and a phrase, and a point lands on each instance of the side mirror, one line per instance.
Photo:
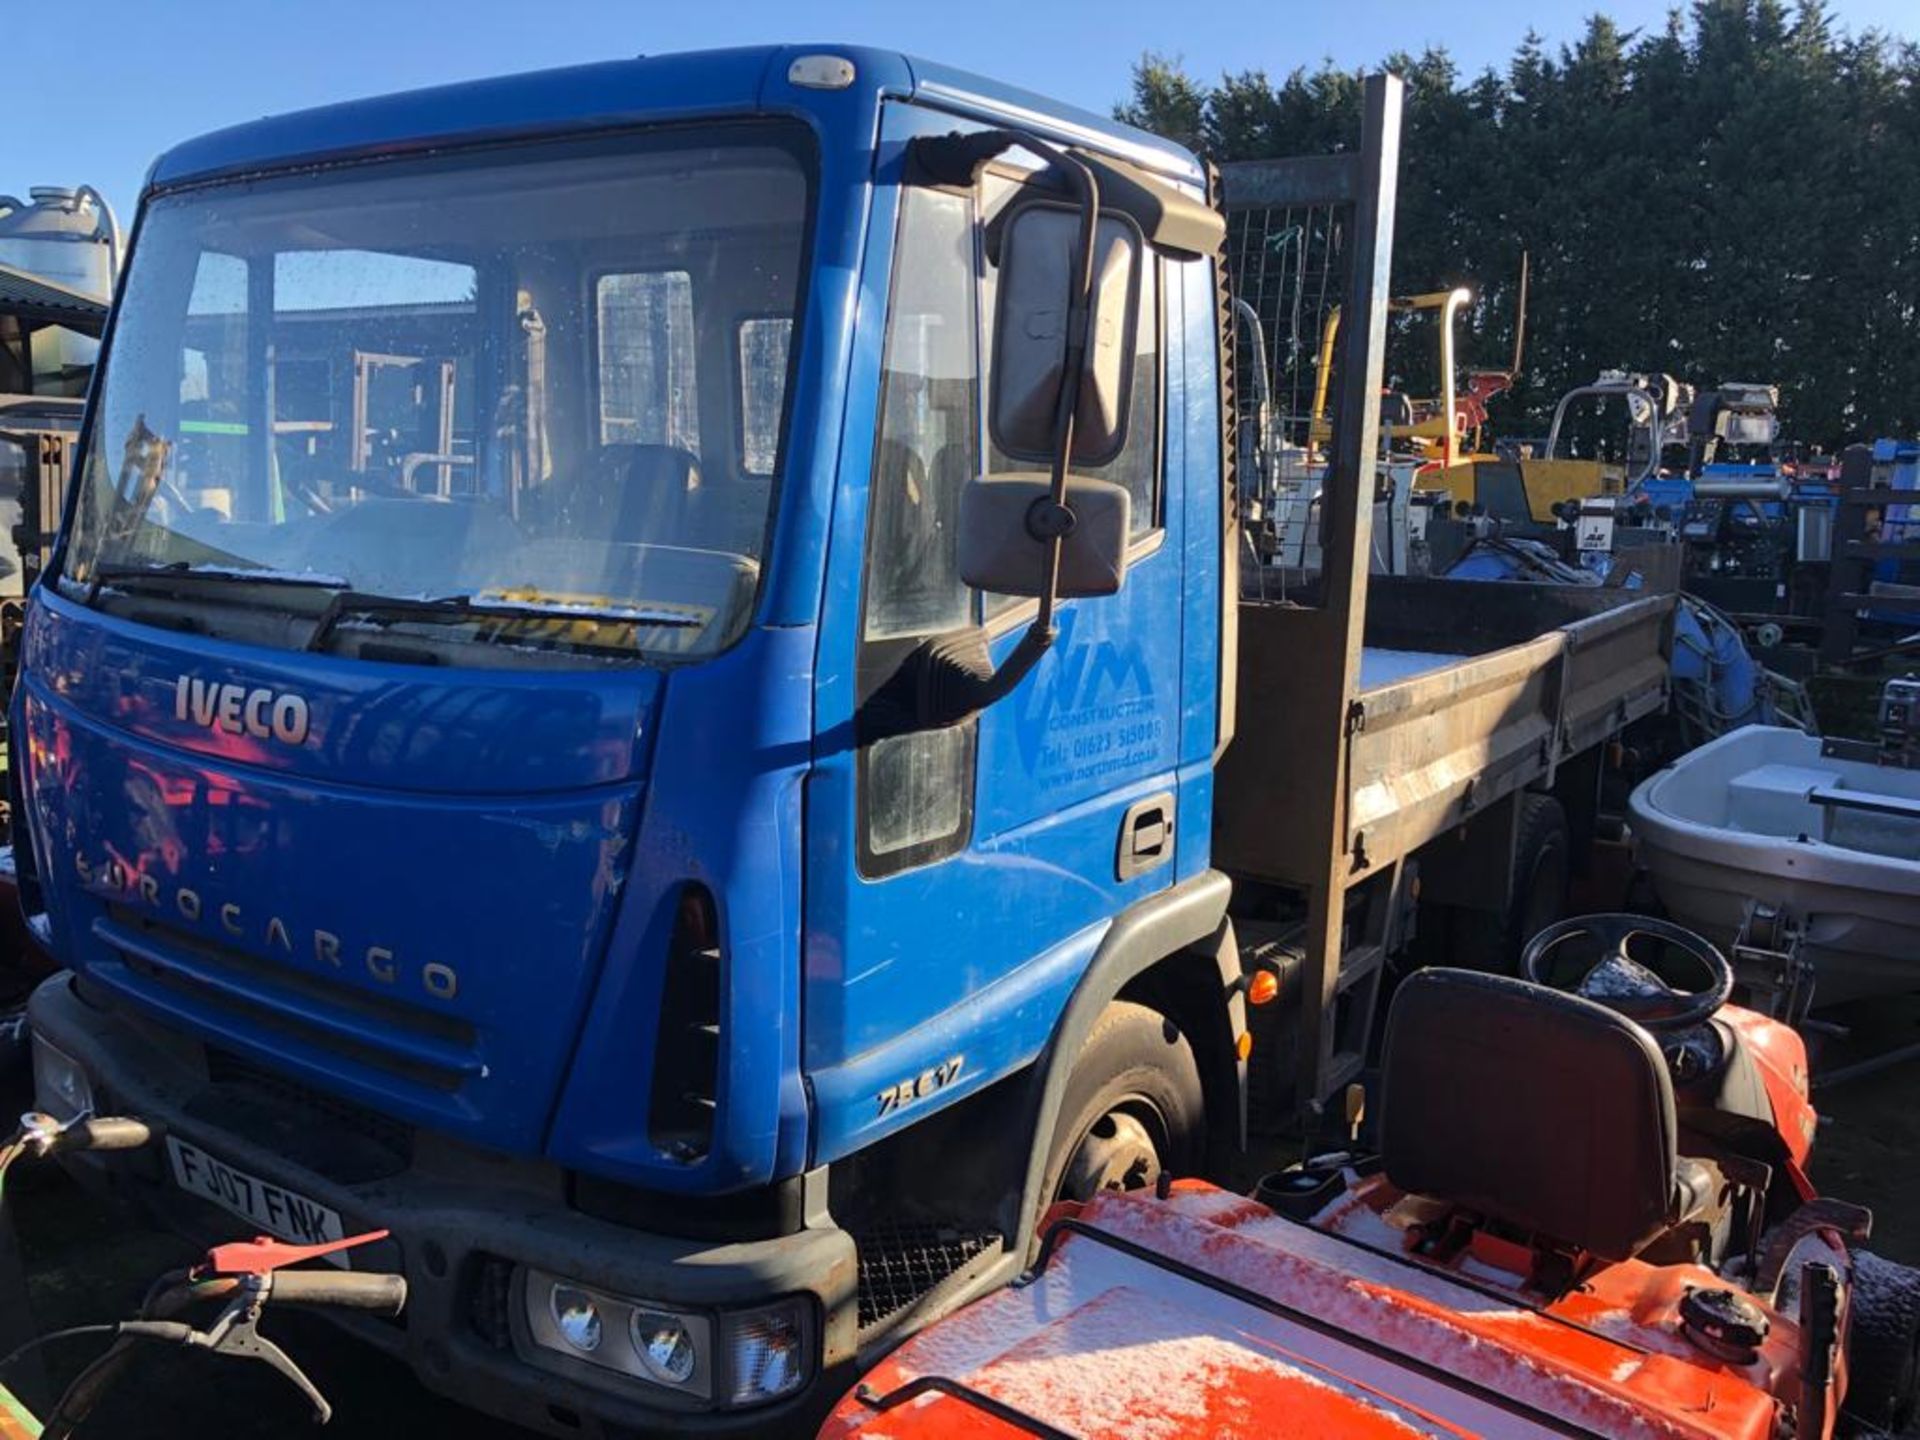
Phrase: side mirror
(1037, 252)
(1000, 553)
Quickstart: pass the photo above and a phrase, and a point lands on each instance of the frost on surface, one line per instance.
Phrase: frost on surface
(1134, 1367)
(1367, 1343)
(1619, 978)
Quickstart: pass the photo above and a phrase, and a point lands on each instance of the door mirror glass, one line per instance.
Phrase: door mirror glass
(1036, 262)
(1000, 554)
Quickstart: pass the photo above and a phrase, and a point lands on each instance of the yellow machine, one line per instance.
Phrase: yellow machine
(1434, 427)
(1447, 433)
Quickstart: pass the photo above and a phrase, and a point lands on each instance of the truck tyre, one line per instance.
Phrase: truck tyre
(1883, 1344)
(1536, 895)
(1133, 1108)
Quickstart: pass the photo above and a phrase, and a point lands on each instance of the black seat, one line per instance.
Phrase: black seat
(634, 493)
(1535, 1108)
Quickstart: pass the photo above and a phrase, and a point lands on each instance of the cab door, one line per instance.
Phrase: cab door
(959, 880)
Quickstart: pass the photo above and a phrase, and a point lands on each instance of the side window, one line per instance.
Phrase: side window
(916, 790)
(762, 344)
(643, 325)
(929, 423)
(1138, 466)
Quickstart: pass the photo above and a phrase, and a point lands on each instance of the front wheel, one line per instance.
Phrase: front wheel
(1133, 1108)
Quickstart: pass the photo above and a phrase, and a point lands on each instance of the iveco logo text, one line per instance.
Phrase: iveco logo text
(257, 712)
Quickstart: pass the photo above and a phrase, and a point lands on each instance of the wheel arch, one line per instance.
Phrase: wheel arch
(1174, 952)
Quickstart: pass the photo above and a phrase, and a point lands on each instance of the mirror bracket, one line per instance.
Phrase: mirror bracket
(1175, 224)
(1050, 519)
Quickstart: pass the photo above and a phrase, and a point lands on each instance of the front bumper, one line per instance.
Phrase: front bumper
(466, 1224)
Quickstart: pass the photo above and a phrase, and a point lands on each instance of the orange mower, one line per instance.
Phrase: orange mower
(1587, 1214)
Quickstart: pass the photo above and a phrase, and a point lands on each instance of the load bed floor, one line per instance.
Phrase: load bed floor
(1381, 666)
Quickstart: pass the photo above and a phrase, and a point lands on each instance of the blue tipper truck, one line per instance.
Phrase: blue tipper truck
(637, 689)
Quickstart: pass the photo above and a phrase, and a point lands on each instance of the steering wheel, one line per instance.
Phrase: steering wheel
(1651, 971)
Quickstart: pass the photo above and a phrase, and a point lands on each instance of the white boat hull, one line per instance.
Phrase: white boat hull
(1760, 815)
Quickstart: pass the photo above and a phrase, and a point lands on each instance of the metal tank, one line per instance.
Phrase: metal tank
(68, 236)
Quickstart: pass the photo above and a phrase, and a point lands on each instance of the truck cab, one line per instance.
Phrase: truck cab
(491, 768)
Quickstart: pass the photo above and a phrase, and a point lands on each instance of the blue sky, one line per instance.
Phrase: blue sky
(133, 76)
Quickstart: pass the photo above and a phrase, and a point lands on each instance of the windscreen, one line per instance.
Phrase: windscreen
(540, 381)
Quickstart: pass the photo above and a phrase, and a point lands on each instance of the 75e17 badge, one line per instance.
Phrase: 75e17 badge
(919, 1087)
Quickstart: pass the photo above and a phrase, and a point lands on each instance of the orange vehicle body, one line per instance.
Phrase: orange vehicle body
(1199, 1312)
(1105, 1342)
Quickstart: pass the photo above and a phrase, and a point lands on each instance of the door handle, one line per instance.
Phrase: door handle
(1146, 836)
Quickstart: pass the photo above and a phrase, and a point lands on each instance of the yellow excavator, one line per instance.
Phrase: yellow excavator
(1448, 432)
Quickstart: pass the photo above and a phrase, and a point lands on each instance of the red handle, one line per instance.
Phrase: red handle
(264, 1254)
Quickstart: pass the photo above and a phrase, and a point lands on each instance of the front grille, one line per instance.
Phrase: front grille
(903, 1260)
(345, 1142)
(422, 1047)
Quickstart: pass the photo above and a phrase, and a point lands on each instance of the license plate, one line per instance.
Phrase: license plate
(285, 1214)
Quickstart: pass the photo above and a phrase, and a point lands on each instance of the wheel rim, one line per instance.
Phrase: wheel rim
(1121, 1150)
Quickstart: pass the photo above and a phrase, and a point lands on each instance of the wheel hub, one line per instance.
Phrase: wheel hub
(1117, 1153)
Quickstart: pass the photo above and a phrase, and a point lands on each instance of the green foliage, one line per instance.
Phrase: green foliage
(1732, 196)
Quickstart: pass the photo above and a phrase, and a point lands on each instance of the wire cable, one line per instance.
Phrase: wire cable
(70, 1333)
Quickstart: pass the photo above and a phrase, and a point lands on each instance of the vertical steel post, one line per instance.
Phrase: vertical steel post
(1346, 519)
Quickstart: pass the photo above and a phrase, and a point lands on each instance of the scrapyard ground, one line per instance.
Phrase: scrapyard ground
(86, 1264)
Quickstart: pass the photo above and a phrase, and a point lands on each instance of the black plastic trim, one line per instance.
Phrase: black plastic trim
(1182, 917)
(766, 1212)
(939, 1384)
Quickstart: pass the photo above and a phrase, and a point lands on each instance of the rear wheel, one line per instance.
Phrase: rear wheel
(1883, 1343)
(1133, 1108)
(1536, 895)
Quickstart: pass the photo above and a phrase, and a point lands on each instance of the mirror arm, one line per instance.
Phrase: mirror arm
(946, 679)
(1052, 523)
(957, 678)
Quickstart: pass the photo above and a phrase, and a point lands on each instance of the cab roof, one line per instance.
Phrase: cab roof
(610, 94)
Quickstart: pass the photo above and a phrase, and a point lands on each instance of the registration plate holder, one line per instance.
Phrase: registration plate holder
(272, 1209)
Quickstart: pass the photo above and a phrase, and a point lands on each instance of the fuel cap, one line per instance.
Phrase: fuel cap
(1724, 1323)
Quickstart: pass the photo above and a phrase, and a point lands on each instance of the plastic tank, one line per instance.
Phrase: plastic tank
(63, 235)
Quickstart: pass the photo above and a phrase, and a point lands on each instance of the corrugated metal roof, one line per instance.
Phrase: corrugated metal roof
(48, 302)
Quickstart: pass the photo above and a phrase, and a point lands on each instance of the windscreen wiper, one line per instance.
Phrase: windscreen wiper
(167, 576)
(451, 609)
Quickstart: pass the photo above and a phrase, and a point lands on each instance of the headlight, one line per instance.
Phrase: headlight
(661, 1340)
(668, 1348)
(60, 1086)
(762, 1354)
(576, 1317)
